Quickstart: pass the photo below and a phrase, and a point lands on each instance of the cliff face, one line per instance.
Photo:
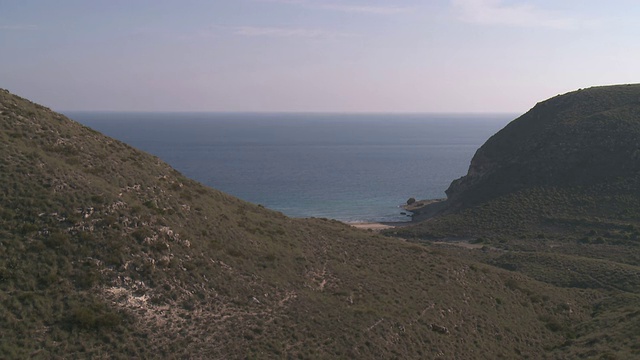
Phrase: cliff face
(583, 138)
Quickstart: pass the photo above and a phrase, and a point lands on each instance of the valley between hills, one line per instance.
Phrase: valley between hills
(109, 253)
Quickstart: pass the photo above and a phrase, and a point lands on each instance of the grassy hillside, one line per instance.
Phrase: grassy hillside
(107, 252)
(583, 138)
(555, 196)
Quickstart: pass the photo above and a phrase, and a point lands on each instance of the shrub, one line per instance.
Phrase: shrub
(93, 317)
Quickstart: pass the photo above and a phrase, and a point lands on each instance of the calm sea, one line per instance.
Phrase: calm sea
(350, 167)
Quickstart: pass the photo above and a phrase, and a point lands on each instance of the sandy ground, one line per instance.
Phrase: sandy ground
(371, 226)
(378, 226)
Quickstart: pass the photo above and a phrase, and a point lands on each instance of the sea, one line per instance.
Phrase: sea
(348, 167)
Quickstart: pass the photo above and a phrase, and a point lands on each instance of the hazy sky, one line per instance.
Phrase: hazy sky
(314, 55)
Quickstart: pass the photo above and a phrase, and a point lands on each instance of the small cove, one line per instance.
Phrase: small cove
(348, 167)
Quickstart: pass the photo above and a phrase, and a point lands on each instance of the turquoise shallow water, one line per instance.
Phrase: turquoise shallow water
(341, 166)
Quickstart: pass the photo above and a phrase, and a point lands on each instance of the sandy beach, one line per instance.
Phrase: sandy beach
(376, 226)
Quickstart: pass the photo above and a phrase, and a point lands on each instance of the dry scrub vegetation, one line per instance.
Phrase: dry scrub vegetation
(107, 252)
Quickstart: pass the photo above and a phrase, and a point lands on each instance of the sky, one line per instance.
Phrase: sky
(314, 55)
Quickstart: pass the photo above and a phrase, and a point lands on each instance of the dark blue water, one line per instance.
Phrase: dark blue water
(346, 167)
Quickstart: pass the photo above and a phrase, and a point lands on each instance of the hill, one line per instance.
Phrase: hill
(584, 138)
(555, 196)
(107, 252)
(573, 157)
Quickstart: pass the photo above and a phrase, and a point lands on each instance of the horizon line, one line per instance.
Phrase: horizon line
(298, 112)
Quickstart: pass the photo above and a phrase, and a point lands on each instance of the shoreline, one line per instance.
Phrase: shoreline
(377, 226)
